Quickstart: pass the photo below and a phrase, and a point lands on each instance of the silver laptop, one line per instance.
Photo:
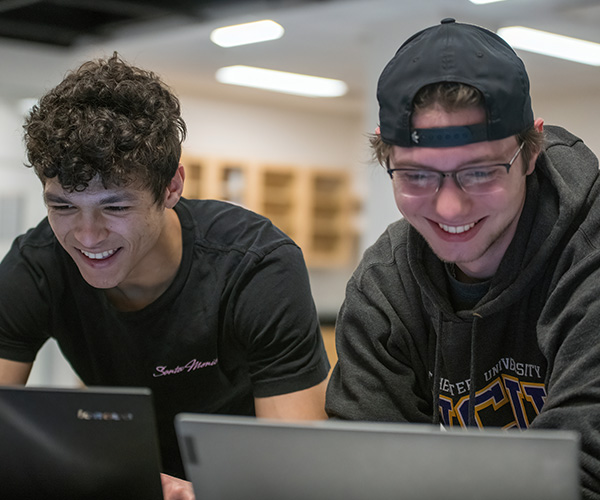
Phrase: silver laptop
(229, 458)
(72, 444)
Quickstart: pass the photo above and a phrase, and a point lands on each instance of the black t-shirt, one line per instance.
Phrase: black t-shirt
(237, 322)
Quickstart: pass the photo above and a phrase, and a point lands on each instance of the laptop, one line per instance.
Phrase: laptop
(67, 444)
(229, 458)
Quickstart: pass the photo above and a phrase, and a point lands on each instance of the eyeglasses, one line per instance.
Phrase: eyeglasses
(472, 180)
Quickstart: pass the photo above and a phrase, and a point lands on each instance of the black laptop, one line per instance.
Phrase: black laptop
(67, 444)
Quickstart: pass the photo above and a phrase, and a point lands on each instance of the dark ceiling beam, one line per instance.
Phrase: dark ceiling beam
(141, 9)
(63, 22)
(130, 8)
(37, 32)
(8, 5)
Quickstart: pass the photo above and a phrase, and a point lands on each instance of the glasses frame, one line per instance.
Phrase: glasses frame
(453, 174)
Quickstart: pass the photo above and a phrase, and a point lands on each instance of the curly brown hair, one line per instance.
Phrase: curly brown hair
(107, 119)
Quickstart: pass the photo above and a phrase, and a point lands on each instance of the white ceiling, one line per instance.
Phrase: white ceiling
(345, 39)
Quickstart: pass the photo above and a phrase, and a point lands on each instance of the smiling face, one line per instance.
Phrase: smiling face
(472, 231)
(116, 236)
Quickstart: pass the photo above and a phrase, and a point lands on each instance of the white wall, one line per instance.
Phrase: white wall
(578, 113)
(269, 134)
(15, 179)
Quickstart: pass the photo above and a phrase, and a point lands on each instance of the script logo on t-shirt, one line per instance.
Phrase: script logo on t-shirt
(190, 366)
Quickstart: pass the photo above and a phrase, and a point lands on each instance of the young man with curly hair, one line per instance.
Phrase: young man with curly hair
(481, 307)
(205, 303)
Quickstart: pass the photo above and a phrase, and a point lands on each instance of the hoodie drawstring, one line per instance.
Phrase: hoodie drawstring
(438, 367)
(472, 372)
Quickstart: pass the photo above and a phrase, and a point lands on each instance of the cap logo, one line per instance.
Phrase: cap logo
(445, 137)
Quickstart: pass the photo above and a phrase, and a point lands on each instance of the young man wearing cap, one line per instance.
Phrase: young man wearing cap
(205, 303)
(481, 307)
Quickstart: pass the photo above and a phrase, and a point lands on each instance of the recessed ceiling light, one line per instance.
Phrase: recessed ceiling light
(244, 34)
(551, 44)
(281, 81)
(480, 2)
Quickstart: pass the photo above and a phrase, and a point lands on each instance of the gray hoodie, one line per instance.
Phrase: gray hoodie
(526, 355)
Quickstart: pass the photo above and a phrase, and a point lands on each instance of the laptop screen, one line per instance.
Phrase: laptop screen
(242, 457)
(97, 443)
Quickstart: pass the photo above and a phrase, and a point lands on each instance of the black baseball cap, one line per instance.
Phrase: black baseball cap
(461, 53)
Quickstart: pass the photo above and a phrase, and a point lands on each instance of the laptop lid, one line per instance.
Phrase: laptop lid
(67, 444)
(242, 457)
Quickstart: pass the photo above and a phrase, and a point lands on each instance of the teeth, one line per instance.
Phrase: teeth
(98, 256)
(456, 229)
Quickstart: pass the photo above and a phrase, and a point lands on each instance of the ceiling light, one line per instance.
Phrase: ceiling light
(480, 2)
(280, 81)
(244, 34)
(551, 44)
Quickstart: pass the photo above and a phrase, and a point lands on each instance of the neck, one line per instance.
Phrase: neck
(463, 277)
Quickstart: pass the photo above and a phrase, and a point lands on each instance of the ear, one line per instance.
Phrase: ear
(175, 188)
(539, 126)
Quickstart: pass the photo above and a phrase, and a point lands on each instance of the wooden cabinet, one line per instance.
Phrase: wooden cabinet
(316, 207)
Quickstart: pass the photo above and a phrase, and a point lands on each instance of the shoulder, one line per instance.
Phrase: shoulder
(575, 182)
(224, 226)
(572, 169)
(560, 146)
(38, 237)
(555, 135)
(36, 245)
(35, 266)
(392, 240)
(387, 256)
